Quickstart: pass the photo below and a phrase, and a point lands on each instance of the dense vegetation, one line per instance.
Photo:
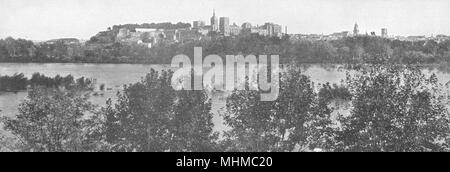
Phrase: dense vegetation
(103, 48)
(277, 126)
(53, 121)
(394, 108)
(151, 116)
(18, 82)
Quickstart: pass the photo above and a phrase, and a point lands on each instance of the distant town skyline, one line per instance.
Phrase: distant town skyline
(51, 19)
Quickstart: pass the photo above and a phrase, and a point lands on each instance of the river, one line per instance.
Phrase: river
(114, 76)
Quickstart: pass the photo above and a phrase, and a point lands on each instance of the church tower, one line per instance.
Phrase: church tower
(356, 30)
(214, 22)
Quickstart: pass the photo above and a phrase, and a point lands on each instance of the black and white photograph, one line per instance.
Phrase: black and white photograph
(225, 76)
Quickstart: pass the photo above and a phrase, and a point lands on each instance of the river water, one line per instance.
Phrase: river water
(114, 76)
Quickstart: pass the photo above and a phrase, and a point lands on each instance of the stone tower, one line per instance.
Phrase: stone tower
(356, 29)
(214, 22)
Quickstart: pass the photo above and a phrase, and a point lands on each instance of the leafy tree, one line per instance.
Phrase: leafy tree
(152, 116)
(13, 83)
(52, 121)
(394, 109)
(280, 125)
(191, 123)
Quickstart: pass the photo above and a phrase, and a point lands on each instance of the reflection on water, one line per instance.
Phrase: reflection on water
(114, 76)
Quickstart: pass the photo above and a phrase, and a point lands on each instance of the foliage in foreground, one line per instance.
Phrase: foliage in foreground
(151, 116)
(392, 109)
(395, 109)
(52, 121)
(281, 125)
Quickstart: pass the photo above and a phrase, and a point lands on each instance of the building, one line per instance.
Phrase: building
(277, 30)
(123, 33)
(151, 33)
(384, 33)
(171, 35)
(145, 36)
(273, 29)
(126, 36)
(224, 26)
(235, 29)
(214, 22)
(145, 30)
(311, 37)
(148, 44)
(246, 26)
(356, 30)
(203, 30)
(198, 24)
(339, 35)
(416, 38)
(268, 29)
(259, 30)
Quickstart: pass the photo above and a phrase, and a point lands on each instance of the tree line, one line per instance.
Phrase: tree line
(394, 108)
(18, 82)
(104, 48)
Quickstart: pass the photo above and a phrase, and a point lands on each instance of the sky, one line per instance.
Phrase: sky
(50, 19)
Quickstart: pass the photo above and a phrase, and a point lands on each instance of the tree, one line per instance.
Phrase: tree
(280, 125)
(151, 116)
(394, 109)
(52, 121)
(191, 123)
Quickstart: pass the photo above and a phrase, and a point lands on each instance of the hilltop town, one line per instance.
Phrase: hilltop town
(157, 42)
(151, 34)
